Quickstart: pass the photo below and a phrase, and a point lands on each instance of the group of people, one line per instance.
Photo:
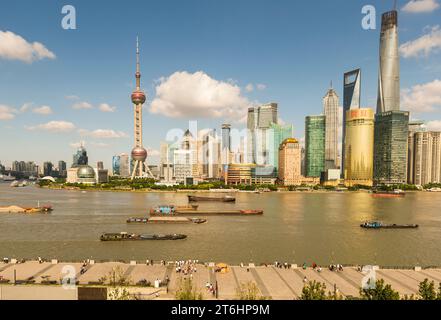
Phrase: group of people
(211, 289)
(279, 265)
(334, 267)
(186, 267)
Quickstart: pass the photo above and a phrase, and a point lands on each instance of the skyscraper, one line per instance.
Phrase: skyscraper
(331, 110)
(390, 147)
(116, 165)
(290, 163)
(359, 147)
(414, 126)
(276, 135)
(62, 168)
(315, 145)
(139, 153)
(351, 100)
(80, 158)
(47, 168)
(389, 70)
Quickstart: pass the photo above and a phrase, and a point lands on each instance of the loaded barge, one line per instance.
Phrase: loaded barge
(218, 199)
(170, 211)
(124, 236)
(166, 220)
(380, 225)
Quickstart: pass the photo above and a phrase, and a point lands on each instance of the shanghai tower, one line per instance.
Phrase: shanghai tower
(389, 71)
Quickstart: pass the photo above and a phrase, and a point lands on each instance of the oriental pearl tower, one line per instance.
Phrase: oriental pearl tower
(139, 153)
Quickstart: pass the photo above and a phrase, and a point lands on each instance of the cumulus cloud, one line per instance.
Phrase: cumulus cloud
(14, 47)
(261, 86)
(103, 134)
(185, 94)
(421, 6)
(54, 127)
(44, 110)
(434, 125)
(423, 46)
(82, 105)
(153, 152)
(249, 87)
(7, 112)
(422, 97)
(104, 107)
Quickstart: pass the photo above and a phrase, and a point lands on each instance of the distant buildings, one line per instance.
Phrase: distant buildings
(82, 173)
(120, 165)
(277, 134)
(47, 169)
(315, 145)
(62, 169)
(289, 173)
(331, 110)
(80, 158)
(359, 153)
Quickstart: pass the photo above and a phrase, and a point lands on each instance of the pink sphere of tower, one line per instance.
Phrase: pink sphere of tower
(139, 154)
(138, 97)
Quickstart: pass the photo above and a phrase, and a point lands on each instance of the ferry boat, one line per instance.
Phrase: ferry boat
(434, 190)
(124, 236)
(218, 199)
(380, 225)
(166, 220)
(8, 178)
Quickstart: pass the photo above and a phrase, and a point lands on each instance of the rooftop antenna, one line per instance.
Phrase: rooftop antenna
(395, 5)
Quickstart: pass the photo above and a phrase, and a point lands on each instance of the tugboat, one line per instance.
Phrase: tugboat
(124, 236)
(218, 199)
(380, 225)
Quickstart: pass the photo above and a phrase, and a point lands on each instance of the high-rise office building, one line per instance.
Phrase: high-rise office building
(389, 70)
(390, 147)
(116, 165)
(414, 126)
(124, 169)
(331, 109)
(290, 163)
(425, 157)
(359, 153)
(80, 158)
(100, 165)
(47, 168)
(62, 169)
(276, 135)
(315, 145)
(351, 101)
(258, 122)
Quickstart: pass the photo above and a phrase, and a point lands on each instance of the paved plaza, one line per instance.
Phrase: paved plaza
(272, 282)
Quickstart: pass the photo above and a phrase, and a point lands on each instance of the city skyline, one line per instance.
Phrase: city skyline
(62, 115)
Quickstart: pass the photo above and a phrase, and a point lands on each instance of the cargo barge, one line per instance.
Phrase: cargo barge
(170, 211)
(213, 199)
(166, 220)
(389, 194)
(26, 210)
(380, 225)
(124, 236)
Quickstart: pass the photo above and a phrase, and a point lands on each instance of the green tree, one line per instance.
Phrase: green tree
(314, 291)
(249, 291)
(380, 292)
(187, 290)
(427, 290)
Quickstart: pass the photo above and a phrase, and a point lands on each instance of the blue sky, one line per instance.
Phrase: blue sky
(246, 52)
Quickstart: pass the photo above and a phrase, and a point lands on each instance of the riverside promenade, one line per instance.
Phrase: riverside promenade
(273, 282)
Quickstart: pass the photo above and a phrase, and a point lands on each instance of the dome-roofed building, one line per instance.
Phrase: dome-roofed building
(86, 174)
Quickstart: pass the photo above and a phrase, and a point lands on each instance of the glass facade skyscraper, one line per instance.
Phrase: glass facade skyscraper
(276, 135)
(331, 109)
(315, 145)
(351, 101)
(390, 147)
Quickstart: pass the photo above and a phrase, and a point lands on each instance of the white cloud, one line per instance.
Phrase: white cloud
(76, 145)
(72, 97)
(153, 152)
(249, 87)
(54, 127)
(261, 86)
(423, 46)
(422, 97)
(104, 107)
(433, 125)
(421, 6)
(82, 105)
(103, 134)
(44, 110)
(14, 47)
(186, 95)
(7, 113)
(100, 144)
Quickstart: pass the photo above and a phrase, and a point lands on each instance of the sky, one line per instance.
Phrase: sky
(201, 60)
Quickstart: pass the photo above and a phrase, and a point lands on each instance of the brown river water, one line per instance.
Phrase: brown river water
(296, 227)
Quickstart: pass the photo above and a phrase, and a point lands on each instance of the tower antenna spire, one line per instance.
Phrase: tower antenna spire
(138, 69)
(395, 5)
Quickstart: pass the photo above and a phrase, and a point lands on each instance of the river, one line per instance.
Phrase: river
(296, 227)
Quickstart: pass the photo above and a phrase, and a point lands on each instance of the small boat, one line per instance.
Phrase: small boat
(8, 178)
(219, 199)
(434, 190)
(124, 236)
(251, 212)
(380, 225)
(166, 220)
